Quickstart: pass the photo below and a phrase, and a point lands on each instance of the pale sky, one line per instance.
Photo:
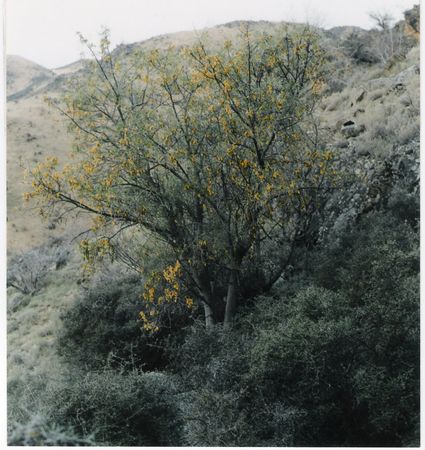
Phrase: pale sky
(44, 31)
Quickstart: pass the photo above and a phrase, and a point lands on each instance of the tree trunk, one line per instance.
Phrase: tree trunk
(231, 299)
(209, 316)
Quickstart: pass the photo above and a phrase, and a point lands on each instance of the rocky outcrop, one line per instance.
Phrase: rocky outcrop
(413, 20)
(404, 75)
(374, 183)
(349, 129)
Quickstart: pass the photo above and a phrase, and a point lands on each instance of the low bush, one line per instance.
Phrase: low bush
(103, 329)
(211, 364)
(347, 351)
(221, 403)
(334, 85)
(39, 432)
(357, 47)
(377, 253)
(408, 133)
(334, 364)
(133, 409)
(404, 204)
(27, 271)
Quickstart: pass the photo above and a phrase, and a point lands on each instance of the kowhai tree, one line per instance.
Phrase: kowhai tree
(214, 154)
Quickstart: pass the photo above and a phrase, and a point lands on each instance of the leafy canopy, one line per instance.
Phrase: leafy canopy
(212, 153)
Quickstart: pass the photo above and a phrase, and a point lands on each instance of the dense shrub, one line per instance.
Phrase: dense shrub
(23, 394)
(103, 328)
(118, 409)
(29, 419)
(347, 354)
(220, 402)
(404, 205)
(357, 47)
(378, 253)
(211, 363)
(334, 364)
(301, 359)
(39, 432)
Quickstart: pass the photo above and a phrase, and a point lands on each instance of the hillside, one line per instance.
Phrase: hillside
(70, 68)
(327, 356)
(23, 76)
(35, 130)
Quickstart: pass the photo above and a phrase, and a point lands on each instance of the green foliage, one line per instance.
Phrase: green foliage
(301, 359)
(336, 364)
(207, 157)
(221, 403)
(371, 259)
(103, 328)
(38, 431)
(405, 205)
(213, 357)
(212, 153)
(349, 357)
(224, 402)
(118, 409)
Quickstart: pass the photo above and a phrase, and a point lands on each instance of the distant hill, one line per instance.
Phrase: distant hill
(70, 68)
(345, 31)
(34, 130)
(24, 76)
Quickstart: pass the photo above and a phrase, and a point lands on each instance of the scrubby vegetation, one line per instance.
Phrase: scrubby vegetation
(275, 300)
(27, 271)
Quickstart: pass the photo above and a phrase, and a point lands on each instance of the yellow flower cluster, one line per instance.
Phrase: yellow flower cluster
(189, 302)
(162, 287)
(148, 325)
(171, 272)
(94, 250)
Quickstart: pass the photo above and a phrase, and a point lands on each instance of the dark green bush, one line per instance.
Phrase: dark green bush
(347, 354)
(220, 404)
(210, 364)
(133, 409)
(297, 359)
(334, 364)
(103, 328)
(357, 47)
(377, 254)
